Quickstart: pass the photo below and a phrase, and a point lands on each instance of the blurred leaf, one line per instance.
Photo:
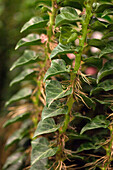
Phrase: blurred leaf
(58, 66)
(96, 43)
(68, 15)
(45, 2)
(22, 76)
(13, 159)
(31, 39)
(93, 61)
(65, 34)
(99, 25)
(34, 23)
(41, 164)
(46, 126)
(19, 134)
(103, 6)
(41, 150)
(55, 109)
(20, 117)
(107, 50)
(106, 70)
(98, 122)
(63, 49)
(55, 91)
(22, 94)
(28, 57)
(74, 3)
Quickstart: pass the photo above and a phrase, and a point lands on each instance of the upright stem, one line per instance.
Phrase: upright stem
(82, 40)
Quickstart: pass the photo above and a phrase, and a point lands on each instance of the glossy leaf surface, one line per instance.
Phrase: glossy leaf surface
(22, 94)
(55, 109)
(58, 66)
(31, 39)
(55, 91)
(97, 122)
(41, 150)
(63, 49)
(34, 23)
(46, 126)
(28, 57)
(22, 76)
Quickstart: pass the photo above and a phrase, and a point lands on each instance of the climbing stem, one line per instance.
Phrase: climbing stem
(82, 40)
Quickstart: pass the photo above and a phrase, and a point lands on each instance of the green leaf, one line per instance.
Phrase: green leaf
(41, 164)
(46, 126)
(103, 6)
(87, 146)
(43, 2)
(96, 43)
(34, 23)
(15, 158)
(31, 39)
(41, 150)
(19, 134)
(106, 70)
(65, 34)
(68, 15)
(79, 115)
(88, 101)
(107, 50)
(28, 57)
(98, 122)
(105, 85)
(18, 118)
(99, 25)
(78, 4)
(93, 61)
(58, 66)
(55, 91)
(63, 49)
(55, 109)
(76, 136)
(22, 76)
(22, 94)
(107, 12)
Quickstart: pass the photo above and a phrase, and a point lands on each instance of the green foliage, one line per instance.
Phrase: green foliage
(69, 119)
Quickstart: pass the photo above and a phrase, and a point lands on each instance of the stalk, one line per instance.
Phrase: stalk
(82, 40)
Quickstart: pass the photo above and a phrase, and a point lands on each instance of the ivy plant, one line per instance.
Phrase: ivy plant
(65, 102)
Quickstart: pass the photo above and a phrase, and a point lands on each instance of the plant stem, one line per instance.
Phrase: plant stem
(85, 23)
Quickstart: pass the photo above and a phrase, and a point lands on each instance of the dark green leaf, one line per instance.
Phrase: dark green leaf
(65, 34)
(41, 150)
(96, 43)
(28, 57)
(55, 109)
(78, 4)
(105, 85)
(55, 91)
(34, 23)
(76, 136)
(78, 115)
(97, 122)
(15, 158)
(68, 15)
(63, 49)
(22, 76)
(46, 126)
(99, 25)
(106, 70)
(103, 6)
(93, 61)
(31, 39)
(87, 146)
(20, 117)
(107, 50)
(45, 2)
(19, 134)
(107, 12)
(22, 94)
(58, 66)
(88, 101)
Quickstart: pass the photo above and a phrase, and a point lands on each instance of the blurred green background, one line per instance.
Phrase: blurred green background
(13, 14)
